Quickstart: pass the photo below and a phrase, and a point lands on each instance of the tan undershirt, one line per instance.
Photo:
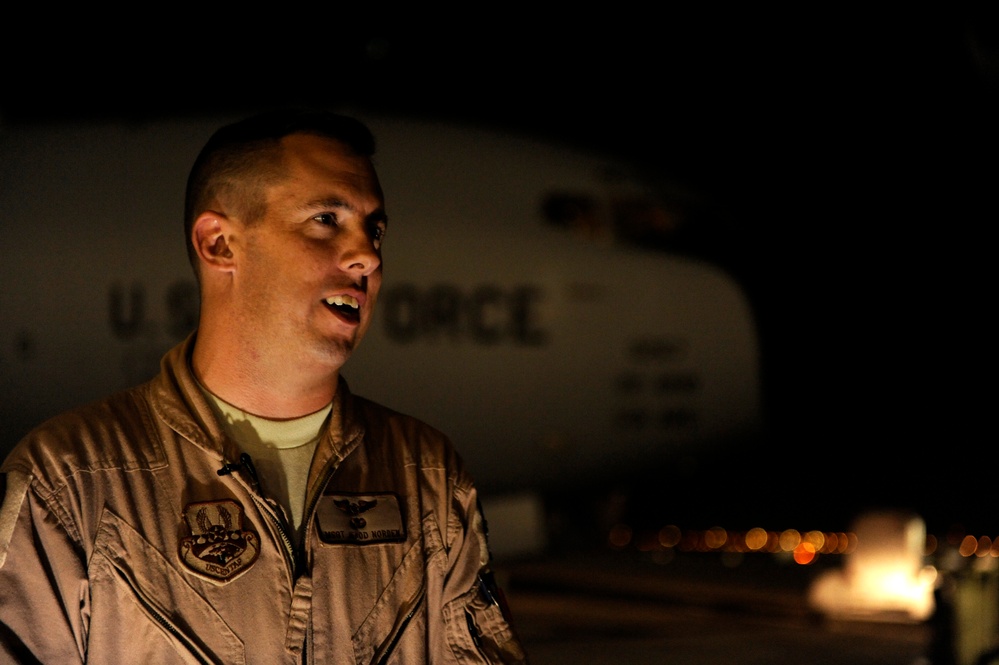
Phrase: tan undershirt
(281, 451)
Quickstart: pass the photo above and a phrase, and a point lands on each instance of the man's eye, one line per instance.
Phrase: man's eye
(326, 219)
(377, 236)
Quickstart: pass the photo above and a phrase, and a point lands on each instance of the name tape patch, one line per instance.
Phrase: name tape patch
(360, 519)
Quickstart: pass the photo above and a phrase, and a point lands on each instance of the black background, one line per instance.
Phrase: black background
(848, 164)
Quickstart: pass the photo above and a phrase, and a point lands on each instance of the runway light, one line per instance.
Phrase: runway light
(619, 536)
(968, 546)
(715, 537)
(756, 539)
(816, 539)
(804, 553)
(789, 539)
(669, 536)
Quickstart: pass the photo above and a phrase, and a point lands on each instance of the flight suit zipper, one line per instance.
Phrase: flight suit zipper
(314, 499)
(153, 612)
(289, 547)
(311, 507)
(246, 463)
(400, 628)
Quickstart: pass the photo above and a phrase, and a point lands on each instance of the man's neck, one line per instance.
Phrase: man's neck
(269, 392)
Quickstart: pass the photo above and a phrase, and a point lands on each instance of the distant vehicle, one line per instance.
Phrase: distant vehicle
(887, 576)
(512, 315)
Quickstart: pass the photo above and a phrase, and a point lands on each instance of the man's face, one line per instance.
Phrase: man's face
(311, 268)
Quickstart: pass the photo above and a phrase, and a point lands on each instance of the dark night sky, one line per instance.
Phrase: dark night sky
(849, 164)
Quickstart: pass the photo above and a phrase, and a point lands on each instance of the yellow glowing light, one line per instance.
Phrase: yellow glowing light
(816, 538)
(756, 539)
(789, 539)
(715, 537)
(619, 536)
(669, 535)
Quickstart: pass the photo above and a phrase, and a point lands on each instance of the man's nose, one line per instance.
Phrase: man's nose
(358, 253)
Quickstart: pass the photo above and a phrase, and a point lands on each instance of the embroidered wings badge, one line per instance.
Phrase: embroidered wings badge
(354, 509)
(360, 519)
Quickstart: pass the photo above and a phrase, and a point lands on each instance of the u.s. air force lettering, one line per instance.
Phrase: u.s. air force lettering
(360, 519)
(218, 547)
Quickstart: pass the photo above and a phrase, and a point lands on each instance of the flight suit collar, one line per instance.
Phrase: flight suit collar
(181, 404)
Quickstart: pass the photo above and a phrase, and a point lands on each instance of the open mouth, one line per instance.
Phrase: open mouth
(345, 306)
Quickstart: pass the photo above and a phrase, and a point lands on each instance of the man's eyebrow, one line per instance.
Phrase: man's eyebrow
(336, 203)
(331, 202)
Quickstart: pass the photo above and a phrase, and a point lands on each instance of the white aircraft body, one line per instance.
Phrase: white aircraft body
(547, 355)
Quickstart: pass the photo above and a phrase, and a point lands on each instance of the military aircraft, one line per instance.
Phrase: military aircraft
(514, 314)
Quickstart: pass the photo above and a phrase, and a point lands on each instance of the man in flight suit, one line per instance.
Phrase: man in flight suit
(244, 506)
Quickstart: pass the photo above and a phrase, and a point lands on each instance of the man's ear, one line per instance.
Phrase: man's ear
(210, 235)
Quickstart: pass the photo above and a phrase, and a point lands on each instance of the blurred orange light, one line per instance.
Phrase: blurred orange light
(968, 546)
(816, 538)
(619, 536)
(715, 537)
(804, 553)
(789, 539)
(669, 535)
(756, 539)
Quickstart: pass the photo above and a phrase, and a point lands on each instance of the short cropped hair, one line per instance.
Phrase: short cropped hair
(242, 158)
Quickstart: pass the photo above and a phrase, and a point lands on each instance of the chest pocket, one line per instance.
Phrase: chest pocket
(142, 608)
(399, 611)
(478, 631)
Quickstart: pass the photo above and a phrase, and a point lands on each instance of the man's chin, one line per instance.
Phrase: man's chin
(334, 353)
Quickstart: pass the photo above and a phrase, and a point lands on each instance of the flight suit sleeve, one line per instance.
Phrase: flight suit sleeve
(478, 621)
(44, 594)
